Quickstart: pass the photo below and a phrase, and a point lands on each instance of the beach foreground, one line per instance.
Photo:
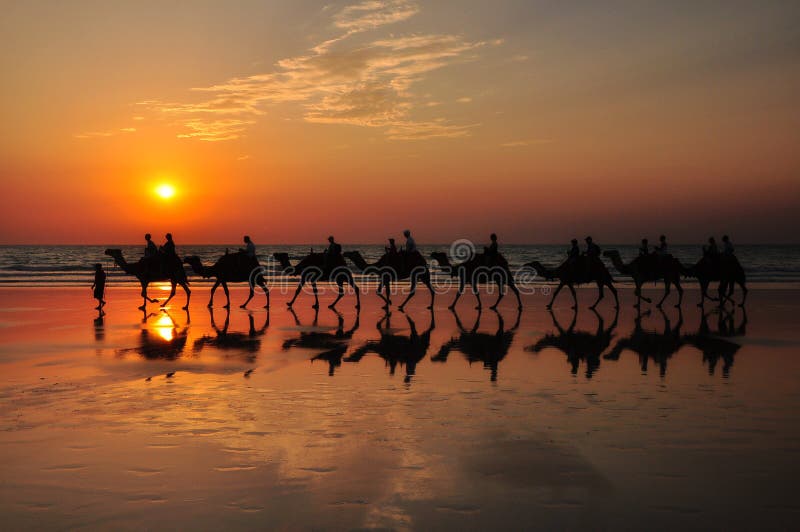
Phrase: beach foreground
(424, 420)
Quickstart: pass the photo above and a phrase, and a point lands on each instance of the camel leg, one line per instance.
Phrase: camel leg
(574, 296)
(227, 295)
(316, 295)
(296, 292)
(477, 296)
(144, 297)
(600, 295)
(171, 294)
(263, 286)
(555, 293)
(616, 297)
(213, 289)
(250, 296)
(185, 287)
(500, 295)
(667, 290)
(458, 294)
(356, 290)
(411, 291)
(679, 288)
(514, 289)
(638, 292)
(338, 297)
(744, 293)
(427, 282)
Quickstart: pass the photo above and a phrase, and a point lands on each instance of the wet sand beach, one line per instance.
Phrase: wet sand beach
(422, 420)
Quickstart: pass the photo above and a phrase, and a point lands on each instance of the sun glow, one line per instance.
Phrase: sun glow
(165, 191)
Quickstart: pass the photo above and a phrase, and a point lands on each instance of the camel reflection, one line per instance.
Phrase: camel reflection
(660, 347)
(161, 338)
(579, 345)
(487, 348)
(651, 345)
(333, 344)
(713, 345)
(397, 349)
(245, 344)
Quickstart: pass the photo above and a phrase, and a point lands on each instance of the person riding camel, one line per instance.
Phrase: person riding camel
(644, 248)
(662, 249)
(333, 254)
(411, 244)
(169, 258)
(573, 254)
(711, 249)
(592, 249)
(727, 246)
(150, 249)
(391, 248)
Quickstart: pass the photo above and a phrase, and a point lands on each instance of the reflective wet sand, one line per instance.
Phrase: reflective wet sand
(416, 420)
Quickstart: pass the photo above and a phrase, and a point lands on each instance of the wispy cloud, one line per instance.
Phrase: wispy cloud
(101, 134)
(338, 81)
(521, 143)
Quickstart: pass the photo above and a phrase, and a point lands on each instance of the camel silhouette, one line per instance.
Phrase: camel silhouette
(231, 268)
(397, 349)
(579, 345)
(311, 269)
(473, 271)
(149, 271)
(725, 269)
(650, 268)
(334, 345)
(486, 348)
(247, 344)
(584, 271)
(393, 267)
(659, 347)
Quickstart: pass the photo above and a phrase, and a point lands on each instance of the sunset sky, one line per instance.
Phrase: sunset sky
(292, 120)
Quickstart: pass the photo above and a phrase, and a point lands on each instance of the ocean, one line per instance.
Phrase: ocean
(767, 265)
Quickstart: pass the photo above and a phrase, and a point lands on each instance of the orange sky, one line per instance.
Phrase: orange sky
(290, 121)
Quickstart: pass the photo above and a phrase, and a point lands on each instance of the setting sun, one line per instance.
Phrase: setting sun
(165, 191)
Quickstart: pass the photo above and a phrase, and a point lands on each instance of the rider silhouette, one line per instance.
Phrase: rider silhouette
(332, 254)
(249, 249)
(411, 245)
(644, 249)
(727, 246)
(150, 249)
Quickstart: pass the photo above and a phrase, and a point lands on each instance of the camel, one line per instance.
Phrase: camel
(650, 268)
(472, 271)
(725, 269)
(476, 346)
(570, 275)
(394, 266)
(395, 348)
(651, 344)
(148, 271)
(312, 269)
(578, 345)
(334, 345)
(231, 268)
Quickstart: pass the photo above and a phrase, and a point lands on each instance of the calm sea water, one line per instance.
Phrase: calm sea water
(72, 265)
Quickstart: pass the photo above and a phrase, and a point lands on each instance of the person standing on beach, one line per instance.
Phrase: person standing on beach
(99, 285)
(150, 249)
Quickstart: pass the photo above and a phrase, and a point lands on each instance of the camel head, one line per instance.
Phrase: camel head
(283, 260)
(441, 258)
(115, 254)
(195, 262)
(537, 267)
(356, 258)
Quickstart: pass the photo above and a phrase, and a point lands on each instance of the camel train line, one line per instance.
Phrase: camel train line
(478, 268)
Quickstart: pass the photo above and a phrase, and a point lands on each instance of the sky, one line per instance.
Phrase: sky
(292, 120)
